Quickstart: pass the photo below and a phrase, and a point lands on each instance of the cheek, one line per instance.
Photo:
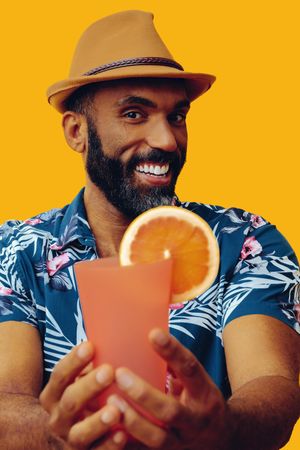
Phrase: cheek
(122, 140)
(123, 147)
(116, 139)
(183, 136)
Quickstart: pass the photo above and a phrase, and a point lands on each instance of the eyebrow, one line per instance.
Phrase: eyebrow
(183, 104)
(133, 99)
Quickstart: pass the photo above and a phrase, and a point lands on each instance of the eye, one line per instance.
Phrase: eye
(135, 115)
(177, 118)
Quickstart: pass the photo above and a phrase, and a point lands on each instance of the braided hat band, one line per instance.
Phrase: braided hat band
(149, 60)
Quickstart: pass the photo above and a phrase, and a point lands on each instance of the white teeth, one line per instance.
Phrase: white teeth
(154, 170)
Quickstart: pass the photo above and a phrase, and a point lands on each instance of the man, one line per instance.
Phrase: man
(234, 364)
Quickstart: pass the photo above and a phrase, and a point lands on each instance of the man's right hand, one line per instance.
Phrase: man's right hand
(69, 398)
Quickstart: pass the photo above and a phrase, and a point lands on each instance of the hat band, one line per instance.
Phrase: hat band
(150, 60)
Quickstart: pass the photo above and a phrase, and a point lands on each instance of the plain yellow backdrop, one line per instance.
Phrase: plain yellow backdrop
(244, 133)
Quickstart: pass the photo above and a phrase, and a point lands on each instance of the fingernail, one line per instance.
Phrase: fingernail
(103, 375)
(160, 338)
(119, 437)
(118, 402)
(107, 416)
(124, 379)
(84, 351)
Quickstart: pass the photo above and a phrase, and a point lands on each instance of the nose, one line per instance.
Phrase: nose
(161, 136)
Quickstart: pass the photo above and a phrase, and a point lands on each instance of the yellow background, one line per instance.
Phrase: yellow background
(244, 133)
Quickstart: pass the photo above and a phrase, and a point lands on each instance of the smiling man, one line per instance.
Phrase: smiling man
(139, 157)
(232, 352)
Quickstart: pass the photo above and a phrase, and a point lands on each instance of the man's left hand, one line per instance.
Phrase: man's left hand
(193, 417)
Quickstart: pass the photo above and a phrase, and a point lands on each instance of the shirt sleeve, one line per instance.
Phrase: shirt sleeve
(265, 279)
(16, 303)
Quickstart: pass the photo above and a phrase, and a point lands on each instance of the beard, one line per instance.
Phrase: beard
(116, 179)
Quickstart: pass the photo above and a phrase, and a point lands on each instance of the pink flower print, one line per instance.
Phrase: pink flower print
(176, 305)
(257, 221)
(56, 247)
(251, 247)
(5, 291)
(297, 311)
(33, 221)
(56, 263)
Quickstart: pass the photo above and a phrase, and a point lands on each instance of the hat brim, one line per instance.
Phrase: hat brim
(196, 83)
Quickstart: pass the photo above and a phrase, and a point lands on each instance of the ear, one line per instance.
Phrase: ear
(75, 130)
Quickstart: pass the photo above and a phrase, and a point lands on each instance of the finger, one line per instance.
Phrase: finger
(162, 408)
(83, 434)
(86, 370)
(182, 362)
(115, 441)
(139, 427)
(175, 387)
(201, 397)
(64, 373)
(76, 396)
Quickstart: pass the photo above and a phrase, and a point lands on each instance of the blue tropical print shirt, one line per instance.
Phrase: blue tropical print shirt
(259, 274)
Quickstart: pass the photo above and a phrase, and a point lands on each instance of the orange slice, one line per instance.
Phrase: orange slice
(177, 233)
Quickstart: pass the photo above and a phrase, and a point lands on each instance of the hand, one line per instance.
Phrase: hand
(70, 398)
(194, 414)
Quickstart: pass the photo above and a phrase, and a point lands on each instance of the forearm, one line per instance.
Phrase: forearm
(23, 424)
(262, 414)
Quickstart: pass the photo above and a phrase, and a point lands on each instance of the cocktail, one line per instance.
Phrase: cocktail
(167, 255)
(120, 306)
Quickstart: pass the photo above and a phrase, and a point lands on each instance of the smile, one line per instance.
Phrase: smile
(153, 169)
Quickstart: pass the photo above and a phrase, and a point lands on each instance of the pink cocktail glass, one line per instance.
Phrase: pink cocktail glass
(120, 305)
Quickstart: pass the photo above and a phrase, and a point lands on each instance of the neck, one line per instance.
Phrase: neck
(107, 223)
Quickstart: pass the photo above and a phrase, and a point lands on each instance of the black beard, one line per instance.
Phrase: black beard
(116, 180)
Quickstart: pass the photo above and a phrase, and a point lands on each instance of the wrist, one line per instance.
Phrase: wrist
(227, 441)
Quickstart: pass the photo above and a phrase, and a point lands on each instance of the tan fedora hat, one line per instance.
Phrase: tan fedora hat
(123, 45)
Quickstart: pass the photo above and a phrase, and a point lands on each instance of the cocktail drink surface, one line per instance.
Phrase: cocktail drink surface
(120, 305)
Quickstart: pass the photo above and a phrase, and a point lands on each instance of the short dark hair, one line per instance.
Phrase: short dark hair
(81, 101)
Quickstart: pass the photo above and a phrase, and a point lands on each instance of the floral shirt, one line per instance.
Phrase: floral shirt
(258, 274)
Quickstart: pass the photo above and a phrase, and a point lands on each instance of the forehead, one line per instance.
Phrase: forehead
(112, 92)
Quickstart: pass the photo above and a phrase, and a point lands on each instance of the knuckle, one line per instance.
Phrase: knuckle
(171, 350)
(53, 421)
(189, 366)
(58, 376)
(110, 444)
(170, 413)
(140, 393)
(68, 401)
(158, 438)
(78, 437)
(131, 419)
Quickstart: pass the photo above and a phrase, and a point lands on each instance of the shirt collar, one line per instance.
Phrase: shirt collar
(73, 226)
(176, 201)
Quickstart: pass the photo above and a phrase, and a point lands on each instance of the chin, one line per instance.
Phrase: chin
(136, 206)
